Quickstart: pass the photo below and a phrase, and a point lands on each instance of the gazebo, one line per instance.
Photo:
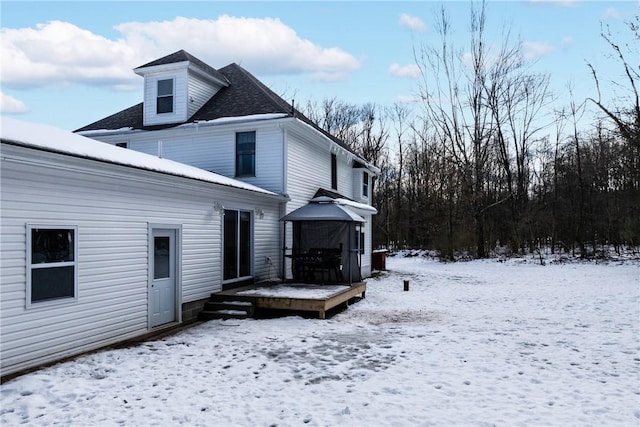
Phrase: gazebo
(325, 242)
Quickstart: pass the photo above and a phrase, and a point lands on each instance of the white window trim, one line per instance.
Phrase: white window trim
(173, 96)
(30, 266)
(368, 185)
(255, 154)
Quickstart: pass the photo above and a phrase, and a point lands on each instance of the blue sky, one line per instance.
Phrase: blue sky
(70, 63)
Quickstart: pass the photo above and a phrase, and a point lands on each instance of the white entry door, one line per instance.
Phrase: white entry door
(163, 283)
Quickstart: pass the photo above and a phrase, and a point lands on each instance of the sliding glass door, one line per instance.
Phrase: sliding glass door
(237, 244)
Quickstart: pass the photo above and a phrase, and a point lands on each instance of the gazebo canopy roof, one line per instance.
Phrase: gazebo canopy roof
(323, 209)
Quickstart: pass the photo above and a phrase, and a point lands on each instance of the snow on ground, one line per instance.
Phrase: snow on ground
(476, 343)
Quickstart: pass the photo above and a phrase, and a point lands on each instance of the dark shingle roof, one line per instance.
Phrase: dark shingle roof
(182, 56)
(244, 96)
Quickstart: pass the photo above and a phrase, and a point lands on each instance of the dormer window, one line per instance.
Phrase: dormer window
(165, 96)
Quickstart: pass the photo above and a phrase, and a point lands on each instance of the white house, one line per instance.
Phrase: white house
(228, 122)
(101, 244)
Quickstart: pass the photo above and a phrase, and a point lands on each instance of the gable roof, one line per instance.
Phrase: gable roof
(183, 56)
(51, 139)
(244, 96)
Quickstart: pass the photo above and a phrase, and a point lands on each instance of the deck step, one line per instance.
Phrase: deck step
(219, 297)
(226, 309)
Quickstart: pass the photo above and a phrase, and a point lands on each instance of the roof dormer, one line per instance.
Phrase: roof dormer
(176, 86)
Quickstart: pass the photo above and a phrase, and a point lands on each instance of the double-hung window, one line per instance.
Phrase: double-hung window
(52, 263)
(246, 153)
(365, 184)
(164, 102)
(237, 244)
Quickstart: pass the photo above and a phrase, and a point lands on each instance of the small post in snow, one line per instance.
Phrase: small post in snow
(406, 285)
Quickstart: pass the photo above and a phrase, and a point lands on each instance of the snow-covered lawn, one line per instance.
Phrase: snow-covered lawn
(475, 343)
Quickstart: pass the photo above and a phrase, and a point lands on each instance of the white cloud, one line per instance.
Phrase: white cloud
(412, 22)
(561, 3)
(60, 52)
(407, 99)
(567, 41)
(612, 13)
(410, 70)
(535, 50)
(10, 105)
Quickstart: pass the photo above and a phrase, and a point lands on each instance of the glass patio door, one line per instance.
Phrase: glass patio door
(237, 244)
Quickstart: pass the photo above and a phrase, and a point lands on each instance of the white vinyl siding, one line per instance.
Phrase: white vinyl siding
(309, 168)
(359, 189)
(179, 113)
(212, 148)
(112, 207)
(200, 91)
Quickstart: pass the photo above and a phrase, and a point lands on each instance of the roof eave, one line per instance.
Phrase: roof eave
(334, 145)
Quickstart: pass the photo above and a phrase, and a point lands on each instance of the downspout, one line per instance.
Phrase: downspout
(350, 250)
(283, 212)
(360, 250)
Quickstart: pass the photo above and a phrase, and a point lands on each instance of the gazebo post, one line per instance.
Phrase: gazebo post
(349, 260)
(284, 251)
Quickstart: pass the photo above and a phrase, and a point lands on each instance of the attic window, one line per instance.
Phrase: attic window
(165, 96)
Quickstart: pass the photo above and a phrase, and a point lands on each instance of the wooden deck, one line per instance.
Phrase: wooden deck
(297, 296)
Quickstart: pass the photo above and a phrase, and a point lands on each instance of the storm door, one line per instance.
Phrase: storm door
(163, 272)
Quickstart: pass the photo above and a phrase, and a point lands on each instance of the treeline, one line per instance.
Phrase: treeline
(483, 165)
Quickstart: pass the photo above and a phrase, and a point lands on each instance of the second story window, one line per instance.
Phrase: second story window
(246, 154)
(334, 172)
(165, 96)
(365, 184)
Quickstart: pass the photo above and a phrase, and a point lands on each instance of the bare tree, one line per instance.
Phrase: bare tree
(626, 117)
(454, 91)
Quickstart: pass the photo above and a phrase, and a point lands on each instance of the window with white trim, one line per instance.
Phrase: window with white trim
(245, 154)
(164, 103)
(52, 263)
(365, 184)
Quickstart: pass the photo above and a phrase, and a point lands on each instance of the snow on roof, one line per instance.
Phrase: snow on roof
(50, 138)
(357, 206)
(323, 209)
(213, 122)
(251, 117)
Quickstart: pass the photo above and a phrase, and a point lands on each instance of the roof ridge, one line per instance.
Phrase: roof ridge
(276, 99)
